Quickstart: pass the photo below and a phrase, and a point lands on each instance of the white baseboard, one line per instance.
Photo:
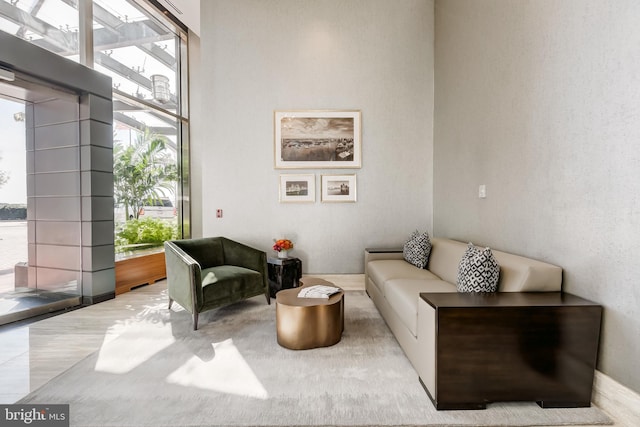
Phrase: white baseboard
(348, 282)
(619, 402)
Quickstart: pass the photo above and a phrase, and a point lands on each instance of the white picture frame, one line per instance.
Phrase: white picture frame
(317, 139)
(338, 188)
(297, 188)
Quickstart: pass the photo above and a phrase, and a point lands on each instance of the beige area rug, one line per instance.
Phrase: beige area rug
(153, 370)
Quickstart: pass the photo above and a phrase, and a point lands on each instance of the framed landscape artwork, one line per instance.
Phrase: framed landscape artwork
(297, 188)
(338, 188)
(317, 139)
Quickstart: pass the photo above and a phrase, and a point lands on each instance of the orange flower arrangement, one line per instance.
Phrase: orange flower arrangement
(282, 245)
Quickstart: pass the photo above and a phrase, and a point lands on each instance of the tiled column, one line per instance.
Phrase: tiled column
(70, 196)
(96, 166)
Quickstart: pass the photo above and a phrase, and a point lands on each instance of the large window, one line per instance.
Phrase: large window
(145, 55)
(138, 52)
(141, 53)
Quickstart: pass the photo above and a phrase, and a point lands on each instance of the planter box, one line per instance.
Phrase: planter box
(134, 271)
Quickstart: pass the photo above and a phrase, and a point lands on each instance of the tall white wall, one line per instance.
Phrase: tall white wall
(258, 56)
(540, 101)
(196, 136)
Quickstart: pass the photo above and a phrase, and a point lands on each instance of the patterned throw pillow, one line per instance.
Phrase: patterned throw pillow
(478, 271)
(417, 249)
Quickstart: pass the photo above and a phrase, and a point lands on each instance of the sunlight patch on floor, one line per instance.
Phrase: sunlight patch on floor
(227, 372)
(123, 351)
(6, 305)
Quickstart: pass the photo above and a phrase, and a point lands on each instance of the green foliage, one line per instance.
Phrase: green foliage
(143, 172)
(144, 233)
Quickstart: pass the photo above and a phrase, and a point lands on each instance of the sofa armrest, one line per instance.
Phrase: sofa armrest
(372, 254)
(184, 277)
(383, 250)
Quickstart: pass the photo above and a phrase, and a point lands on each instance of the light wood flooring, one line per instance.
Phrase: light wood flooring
(32, 354)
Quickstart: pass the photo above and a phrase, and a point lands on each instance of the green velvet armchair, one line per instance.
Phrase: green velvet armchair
(210, 272)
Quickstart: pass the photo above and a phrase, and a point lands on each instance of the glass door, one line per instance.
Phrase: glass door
(40, 199)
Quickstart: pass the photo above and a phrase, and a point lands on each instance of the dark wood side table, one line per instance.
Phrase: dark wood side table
(284, 273)
(508, 346)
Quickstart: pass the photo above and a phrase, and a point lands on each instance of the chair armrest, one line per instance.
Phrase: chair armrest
(184, 277)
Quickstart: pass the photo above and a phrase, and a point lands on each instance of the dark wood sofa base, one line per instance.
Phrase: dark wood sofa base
(477, 406)
(451, 406)
(538, 347)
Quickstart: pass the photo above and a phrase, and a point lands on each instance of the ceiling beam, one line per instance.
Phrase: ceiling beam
(106, 18)
(33, 12)
(122, 70)
(132, 34)
(123, 106)
(158, 53)
(135, 124)
(65, 41)
(130, 74)
(114, 34)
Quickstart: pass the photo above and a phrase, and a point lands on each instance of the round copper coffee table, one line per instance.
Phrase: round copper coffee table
(304, 323)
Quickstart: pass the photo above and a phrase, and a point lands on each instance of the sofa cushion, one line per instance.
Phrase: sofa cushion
(417, 248)
(478, 271)
(517, 273)
(445, 257)
(520, 274)
(382, 270)
(402, 296)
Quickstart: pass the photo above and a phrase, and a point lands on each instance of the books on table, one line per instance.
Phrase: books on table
(318, 291)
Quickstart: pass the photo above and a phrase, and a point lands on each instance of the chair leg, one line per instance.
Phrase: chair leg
(195, 321)
(266, 294)
(170, 302)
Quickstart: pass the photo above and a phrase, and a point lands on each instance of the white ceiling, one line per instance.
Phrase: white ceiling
(187, 11)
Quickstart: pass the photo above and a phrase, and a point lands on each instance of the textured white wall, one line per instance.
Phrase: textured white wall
(196, 135)
(264, 55)
(540, 101)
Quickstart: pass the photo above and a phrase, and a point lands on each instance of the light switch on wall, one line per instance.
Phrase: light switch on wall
(482, 191)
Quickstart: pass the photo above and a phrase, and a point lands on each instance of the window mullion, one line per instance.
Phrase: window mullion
(85, 32)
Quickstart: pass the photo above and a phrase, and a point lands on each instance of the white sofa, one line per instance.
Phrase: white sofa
(394, 285)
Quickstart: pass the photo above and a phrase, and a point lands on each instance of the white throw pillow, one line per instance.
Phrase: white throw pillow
(417, 249)
(478, 271)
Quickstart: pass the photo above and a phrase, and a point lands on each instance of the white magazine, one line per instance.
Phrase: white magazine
(318, 291)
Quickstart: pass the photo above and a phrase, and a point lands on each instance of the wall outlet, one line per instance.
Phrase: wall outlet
(482, 191)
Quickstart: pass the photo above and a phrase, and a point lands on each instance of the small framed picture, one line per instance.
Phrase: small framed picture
(317, 139)
(297, 188)
(338, 188)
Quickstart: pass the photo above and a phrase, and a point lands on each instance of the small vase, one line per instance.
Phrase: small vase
(283, 254)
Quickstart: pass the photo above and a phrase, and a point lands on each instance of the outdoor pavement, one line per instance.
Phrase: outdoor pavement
(13, 249)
